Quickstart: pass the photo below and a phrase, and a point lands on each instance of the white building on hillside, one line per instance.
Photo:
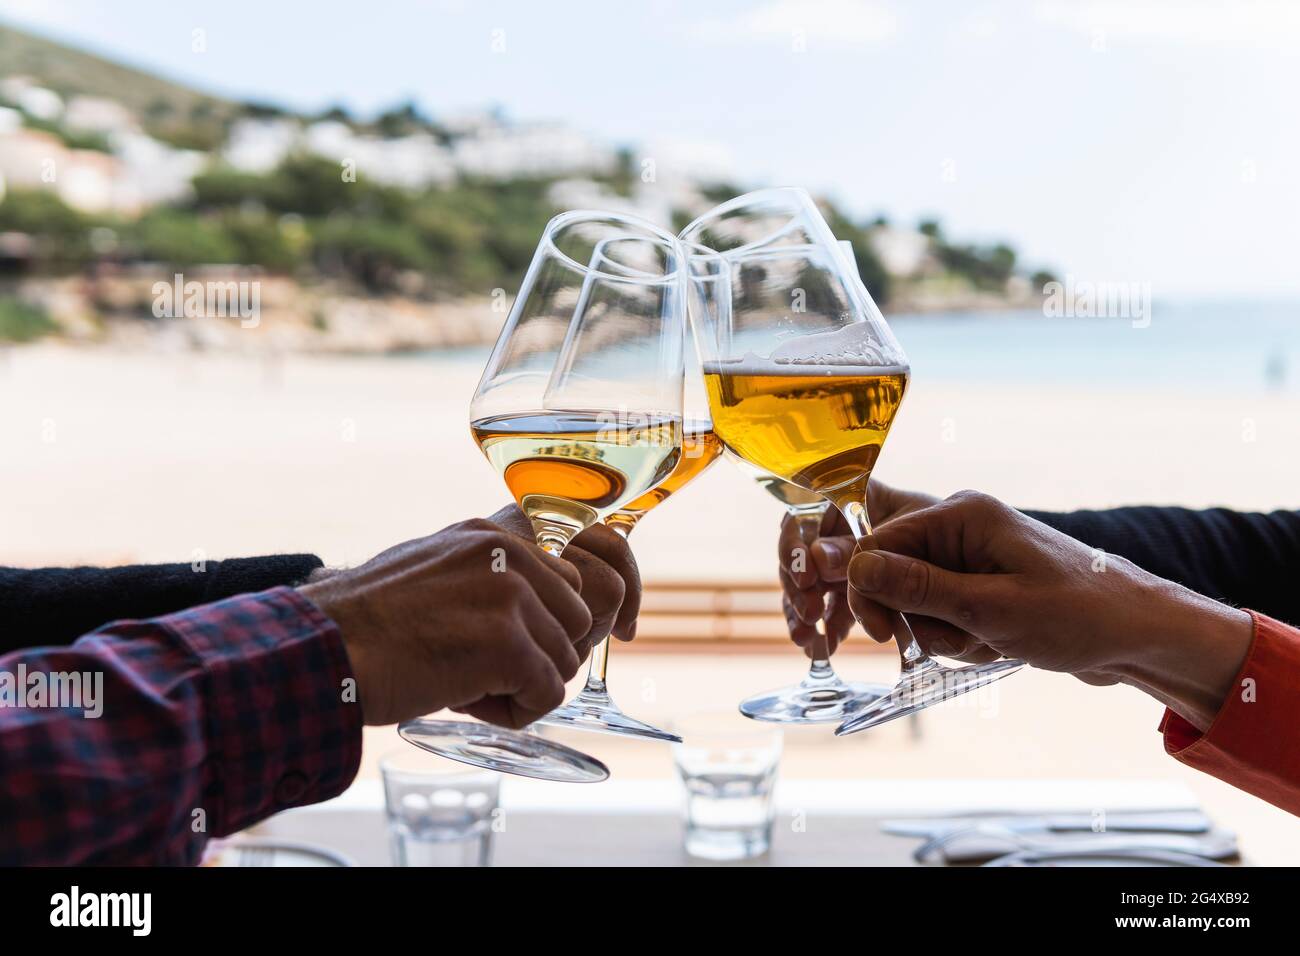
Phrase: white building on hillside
(259, 145)
(94, 114)
(34, 100)
(535, 149)
(153, 172)
(903, 252)
(410, 161)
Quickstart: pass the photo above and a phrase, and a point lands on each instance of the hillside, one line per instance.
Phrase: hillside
(171, 111)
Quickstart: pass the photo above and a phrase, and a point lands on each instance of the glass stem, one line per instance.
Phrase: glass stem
(600, 651)
(913, 658)
(809, 520)
(596, 672)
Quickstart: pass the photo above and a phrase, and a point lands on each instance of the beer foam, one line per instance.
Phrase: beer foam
(753, 364)
(859, 345)
(851, 350)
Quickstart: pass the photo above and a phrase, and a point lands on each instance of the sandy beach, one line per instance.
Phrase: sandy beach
(114, 456)
(111, 457)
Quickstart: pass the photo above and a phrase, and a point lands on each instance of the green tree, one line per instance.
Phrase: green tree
(21, 322)
(371, 250)
(183, 239)
(61, 232)
(874, 276)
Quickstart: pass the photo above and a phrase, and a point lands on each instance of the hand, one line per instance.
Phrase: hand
(611, 583)
(814, 563)
(473, 618)
(981, 580)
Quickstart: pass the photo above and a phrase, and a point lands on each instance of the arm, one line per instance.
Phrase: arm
(1240, 558)
(188, 726)
(204, 722)
(48, 606)
(980, 580)
(1246, 559)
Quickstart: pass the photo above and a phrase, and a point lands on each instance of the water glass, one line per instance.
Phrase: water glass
(728, 769)
(438, 814)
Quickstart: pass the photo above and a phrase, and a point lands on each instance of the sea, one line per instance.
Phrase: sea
(1250, 345)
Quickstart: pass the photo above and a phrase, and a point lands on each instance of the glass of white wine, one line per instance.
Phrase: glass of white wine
(804, 380)
(580, 411)
(822, 696)
(593, 708)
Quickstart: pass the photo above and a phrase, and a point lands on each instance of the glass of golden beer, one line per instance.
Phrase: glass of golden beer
(579, 409)
(805, 379)
(593, 708)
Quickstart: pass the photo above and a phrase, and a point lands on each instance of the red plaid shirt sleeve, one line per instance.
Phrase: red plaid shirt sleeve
(211, 719)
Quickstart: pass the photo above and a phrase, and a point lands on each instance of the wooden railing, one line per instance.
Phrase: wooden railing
(719, 616)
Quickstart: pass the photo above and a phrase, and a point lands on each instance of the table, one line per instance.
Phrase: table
(637, 822)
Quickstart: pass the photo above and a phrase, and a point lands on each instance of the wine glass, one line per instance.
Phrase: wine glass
(593, 708)
(580, 411)
(822, 696)
(804, 381)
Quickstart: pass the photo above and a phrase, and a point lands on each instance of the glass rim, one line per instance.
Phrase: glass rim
(801, 196)
(656, 234)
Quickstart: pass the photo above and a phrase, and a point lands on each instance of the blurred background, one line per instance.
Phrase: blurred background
(1080, 218)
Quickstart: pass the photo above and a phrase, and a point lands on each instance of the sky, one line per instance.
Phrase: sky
(1111, 140)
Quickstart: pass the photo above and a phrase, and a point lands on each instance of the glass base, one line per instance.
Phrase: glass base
(728, 844)
(596, 711)
(502, 750)
(924, 685)
(814, 700)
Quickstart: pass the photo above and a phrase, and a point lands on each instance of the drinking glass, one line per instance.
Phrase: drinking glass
(580, 411)
(593, 708)
(438, 816)
(729, 775)
(821, 697)
(804, 380)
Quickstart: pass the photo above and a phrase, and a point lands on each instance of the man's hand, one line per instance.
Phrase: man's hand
(474, 618)
(814, 563)
(611, 583)
(980, 580)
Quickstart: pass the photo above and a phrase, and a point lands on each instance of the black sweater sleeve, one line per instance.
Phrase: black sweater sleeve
(48, 606)
(1246, 559)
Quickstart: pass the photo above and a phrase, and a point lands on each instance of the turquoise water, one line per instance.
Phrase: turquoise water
(1247, 345)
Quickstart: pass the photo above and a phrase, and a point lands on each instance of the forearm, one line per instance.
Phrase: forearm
(1245, 559)
(51, 606)
(1185, 650)
(208, 721)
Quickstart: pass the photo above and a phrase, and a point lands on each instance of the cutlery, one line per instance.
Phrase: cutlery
(985, 841)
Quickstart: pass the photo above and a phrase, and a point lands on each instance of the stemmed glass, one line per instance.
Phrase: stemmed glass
(804, 381)
(592, 708)
(580, 410)
(822, 696)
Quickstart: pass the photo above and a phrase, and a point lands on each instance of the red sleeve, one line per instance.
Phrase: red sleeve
(1254, 742)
